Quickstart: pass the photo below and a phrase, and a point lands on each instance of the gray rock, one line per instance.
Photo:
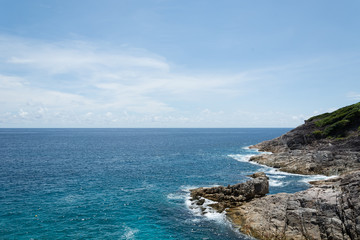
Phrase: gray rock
(298, 152)
(234, 195)
(328, 210)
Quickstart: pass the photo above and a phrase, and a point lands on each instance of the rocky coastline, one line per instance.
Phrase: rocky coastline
(327, 144)
(326, 156)
(328, 210)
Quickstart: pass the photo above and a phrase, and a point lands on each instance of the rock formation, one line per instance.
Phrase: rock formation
(326, 144)
(328, 210)
(234, 195)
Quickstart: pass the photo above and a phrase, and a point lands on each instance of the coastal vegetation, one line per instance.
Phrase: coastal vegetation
(338, 124)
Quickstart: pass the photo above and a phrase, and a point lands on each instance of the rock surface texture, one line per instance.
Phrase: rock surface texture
(328, 210)
(234, 195)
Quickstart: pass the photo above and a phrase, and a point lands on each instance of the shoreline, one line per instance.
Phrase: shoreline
(284, 172)
(328, 145)
(226, 216)
(242, 217)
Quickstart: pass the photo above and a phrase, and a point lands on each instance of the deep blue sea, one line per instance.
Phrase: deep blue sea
(123, 183)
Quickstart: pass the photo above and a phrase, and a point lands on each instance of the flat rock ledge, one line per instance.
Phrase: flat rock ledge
(328, 210)
(310, 162)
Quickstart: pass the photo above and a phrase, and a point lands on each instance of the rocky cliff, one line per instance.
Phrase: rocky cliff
(325, 144)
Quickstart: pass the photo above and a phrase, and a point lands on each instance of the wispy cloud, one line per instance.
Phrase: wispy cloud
(77, 83)
(354, 96)
(75, 77)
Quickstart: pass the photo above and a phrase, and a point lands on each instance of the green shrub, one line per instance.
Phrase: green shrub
(346, 113)
(317, 134)
(318, 116)
(336, 128)
(338, 123)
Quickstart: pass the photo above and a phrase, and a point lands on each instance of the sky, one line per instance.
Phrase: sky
(176, 63)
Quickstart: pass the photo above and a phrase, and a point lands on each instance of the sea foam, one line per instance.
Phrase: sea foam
(243, 157)
(129, 233)
(276, 183)
(274, 174)
(204, 212)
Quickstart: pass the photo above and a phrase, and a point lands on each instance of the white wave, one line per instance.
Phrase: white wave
(242, 157)
(205, 211)
(274, 173)
(278, 176)
(175, 196)
(276, 183)
(277, 172)
(306, 178)
(187, 188)
(129, 233)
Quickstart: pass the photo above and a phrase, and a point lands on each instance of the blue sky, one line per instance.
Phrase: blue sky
(167, 63)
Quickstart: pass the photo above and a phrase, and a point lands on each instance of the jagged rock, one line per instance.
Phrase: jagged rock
(328, 210)
(234, 195)
(200, 202)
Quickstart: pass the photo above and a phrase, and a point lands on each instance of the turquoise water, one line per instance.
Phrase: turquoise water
(123, 183)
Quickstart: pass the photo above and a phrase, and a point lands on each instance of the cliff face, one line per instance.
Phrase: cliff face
(328, 210)
(326, 144)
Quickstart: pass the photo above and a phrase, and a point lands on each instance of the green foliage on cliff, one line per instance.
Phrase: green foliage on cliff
(317, 134)
(338, 123)
(336, 128)
(319, 116)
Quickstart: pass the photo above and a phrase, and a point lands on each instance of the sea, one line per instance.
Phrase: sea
(125, 183)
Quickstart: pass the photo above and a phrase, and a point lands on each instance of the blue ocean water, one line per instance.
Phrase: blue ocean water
(123, 183)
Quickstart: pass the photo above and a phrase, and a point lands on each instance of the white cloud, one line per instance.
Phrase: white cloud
(74, 83)
(23, 114)
(354, 96)
(9, 82)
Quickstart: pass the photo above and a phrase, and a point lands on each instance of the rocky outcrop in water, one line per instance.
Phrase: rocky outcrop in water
(328, 210)
(234, 195)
